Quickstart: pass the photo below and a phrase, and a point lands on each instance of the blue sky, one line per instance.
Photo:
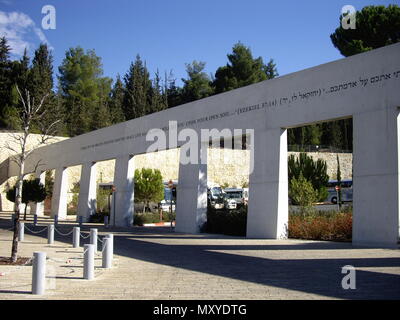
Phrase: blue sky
(168, 34)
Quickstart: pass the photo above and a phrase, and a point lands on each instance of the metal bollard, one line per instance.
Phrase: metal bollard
(50, 234)
(56, 219)
(88, 261)
(93, 238)
(21, 231)
(35, 220)
(39, 273)
(111, 237)
(76, 237)
(106, 253)
(106, 221)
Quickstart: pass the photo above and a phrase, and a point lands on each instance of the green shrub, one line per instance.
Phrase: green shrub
(229, 222)
(302, 192)
(150, 217)
(98, 217)
(313, 171)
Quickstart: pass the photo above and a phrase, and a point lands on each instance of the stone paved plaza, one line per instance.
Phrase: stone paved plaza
(156, 263)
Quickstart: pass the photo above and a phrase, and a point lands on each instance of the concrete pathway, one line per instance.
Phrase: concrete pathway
(156, 263)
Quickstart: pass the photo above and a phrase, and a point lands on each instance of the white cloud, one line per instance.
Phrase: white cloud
(19, 28)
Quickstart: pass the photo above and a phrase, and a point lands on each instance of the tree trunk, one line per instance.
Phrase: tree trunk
(14, 248)
(26, 205)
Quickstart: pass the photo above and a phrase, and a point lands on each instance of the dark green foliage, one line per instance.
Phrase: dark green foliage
(137, 98)
(32, 191)
(229, 222)
(198, 84)
(84, 91)
(174, 93)
(242, 70)
(116, 102)
(376, 26)
(152, 217)
(159, 100)
(98, 217)
(313, 171)
(9, 70)
(40, 84)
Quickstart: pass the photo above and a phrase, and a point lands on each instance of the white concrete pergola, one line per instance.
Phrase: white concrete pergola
(365, 87)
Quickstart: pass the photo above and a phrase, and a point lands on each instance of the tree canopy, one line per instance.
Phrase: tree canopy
(376, 26)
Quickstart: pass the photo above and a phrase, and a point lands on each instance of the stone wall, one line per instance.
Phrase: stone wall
(225, 167)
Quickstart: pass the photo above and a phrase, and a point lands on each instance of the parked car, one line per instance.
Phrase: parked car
(215, 196)
(229, 203)
(236, 195)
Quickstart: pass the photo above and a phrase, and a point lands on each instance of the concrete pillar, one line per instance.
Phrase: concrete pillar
(376, 178)
(191, 202)
(38, 208)
(87, 191)
(124, 192)
(268, 186)
(60, 189)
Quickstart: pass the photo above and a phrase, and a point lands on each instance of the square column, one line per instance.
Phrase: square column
(87, 191)
(191, 202)
(376, 178)
(268, 186)
(38, 208)
(124, 192)
(60, 189)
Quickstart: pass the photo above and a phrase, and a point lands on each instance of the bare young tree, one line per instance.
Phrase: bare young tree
(31, 115)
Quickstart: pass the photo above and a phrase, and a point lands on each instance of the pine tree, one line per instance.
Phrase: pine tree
(40, 83)
(157, 95)
(198, 83)
(9, 115)
(173, 92)
(116, 102)
(137, 97)
(83, 91)
(242, 70)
